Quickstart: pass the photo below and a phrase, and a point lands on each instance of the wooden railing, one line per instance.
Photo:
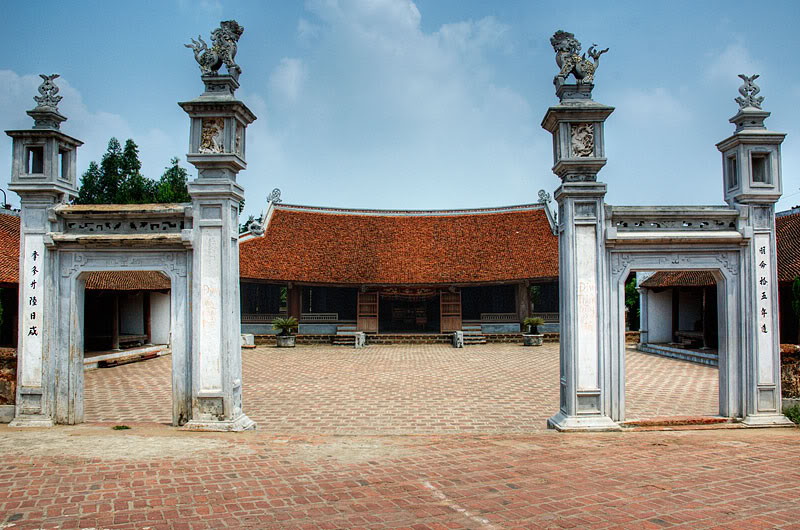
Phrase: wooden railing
(549, 318)
(499, 317)
(261, 318)
(319, 317)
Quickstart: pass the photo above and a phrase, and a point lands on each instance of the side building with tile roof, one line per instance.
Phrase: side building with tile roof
(389, 272)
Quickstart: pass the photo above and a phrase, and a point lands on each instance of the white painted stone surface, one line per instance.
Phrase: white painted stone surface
(586, 268)
(160, 318)
(764, 302)
(659, 316)
(210, 312)
(32, 274)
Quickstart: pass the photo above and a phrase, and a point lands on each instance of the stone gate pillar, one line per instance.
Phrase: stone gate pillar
(576, 124)
(42, 174)
(752, 183)
(217, 150)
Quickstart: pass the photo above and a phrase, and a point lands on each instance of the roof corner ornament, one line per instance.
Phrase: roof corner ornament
(48, 90)
(544, 197)
(749, 91)
(274, 197)
(567, 48)
(223, 49)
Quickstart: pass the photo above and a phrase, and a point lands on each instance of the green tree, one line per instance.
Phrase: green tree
(632, 303)
(172, 185)
(118, 179)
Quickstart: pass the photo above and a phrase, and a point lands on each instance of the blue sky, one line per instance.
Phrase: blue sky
(430, 104)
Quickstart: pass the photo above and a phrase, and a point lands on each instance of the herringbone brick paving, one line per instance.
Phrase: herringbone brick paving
(403, 389)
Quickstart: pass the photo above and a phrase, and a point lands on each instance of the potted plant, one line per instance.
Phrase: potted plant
(533, 337)
(285, 339)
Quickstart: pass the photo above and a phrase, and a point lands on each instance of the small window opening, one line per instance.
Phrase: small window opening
(34, 160)
(63, 164)
(760, 168)
(733, 179)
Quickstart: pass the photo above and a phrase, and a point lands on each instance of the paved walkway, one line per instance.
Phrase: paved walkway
(159, 478)
(419, 389)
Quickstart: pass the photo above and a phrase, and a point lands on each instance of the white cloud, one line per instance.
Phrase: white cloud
(288, 78)
(726, 66)
(658, 107)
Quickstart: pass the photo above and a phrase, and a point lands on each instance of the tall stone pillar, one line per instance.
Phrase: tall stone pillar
(576, 124)
(43, 175)
(752, 182)
(217, 150)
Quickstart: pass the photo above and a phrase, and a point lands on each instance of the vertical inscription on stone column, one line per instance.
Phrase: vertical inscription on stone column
(210, 311)
(32, 277)
(763, 271)
(586, 277)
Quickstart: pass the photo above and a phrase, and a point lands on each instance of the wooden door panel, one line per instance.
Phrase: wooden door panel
(367, 317)
(450, 312)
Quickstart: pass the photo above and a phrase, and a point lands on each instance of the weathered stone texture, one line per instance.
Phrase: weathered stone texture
(8, 375)
(790, 370)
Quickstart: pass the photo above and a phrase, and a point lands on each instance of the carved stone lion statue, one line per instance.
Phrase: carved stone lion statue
(567, 48)
(223, 49)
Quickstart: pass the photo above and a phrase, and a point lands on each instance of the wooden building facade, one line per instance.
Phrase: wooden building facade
(390, 272)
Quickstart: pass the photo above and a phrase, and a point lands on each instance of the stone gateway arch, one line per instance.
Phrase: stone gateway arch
(196, 246)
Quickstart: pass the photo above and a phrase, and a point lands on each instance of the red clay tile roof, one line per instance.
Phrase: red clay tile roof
(680, 279)
(127, 281)
(316, 245)
(9, 248)
(787, 232)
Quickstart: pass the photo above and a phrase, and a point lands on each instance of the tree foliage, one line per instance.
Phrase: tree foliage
(118, 179)
(632, 303)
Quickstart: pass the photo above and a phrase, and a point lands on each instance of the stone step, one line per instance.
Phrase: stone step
(709, 359)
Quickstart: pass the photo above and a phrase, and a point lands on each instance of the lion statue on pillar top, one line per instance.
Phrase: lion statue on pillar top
(567, 48)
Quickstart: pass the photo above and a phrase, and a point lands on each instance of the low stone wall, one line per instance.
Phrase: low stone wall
(790, 371)
(631, 337)
(8, 375)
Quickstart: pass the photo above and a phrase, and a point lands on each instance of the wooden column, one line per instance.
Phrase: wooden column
(294, 295)
(115, 321)
(523, 301)
(146, 316)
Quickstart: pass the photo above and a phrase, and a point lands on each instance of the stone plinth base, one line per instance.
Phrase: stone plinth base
(31, 420)
(242, 423)
(772, 420)
(563, 423)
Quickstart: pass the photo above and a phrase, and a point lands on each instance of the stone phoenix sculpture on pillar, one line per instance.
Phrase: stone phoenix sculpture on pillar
(567, 48)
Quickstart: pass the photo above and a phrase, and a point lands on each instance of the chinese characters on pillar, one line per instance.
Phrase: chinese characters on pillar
(763, 271)
(31, 305)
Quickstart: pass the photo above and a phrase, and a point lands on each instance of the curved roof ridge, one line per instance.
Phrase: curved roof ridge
(390, 213)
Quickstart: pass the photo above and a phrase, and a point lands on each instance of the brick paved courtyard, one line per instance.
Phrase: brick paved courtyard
(483, 460)
(496, 388)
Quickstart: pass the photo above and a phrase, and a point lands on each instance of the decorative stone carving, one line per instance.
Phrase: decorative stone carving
(48, 90)
(223, 49)
(211, 137)
(257, 227)
(125, 226)
(582, 139)
(567, 48)
(544, 197)
(274, 196)
(749, 91)
(237, 146)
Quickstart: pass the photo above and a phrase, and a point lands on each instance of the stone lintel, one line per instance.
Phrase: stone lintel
(210, 161)
(592, 189)
(215, 188)
(44, 133)
(751, 136)
(208, 107)
(586, 112)
(121, 211)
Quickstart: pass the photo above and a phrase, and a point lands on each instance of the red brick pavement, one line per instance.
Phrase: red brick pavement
(494, 388)
(92, 477)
